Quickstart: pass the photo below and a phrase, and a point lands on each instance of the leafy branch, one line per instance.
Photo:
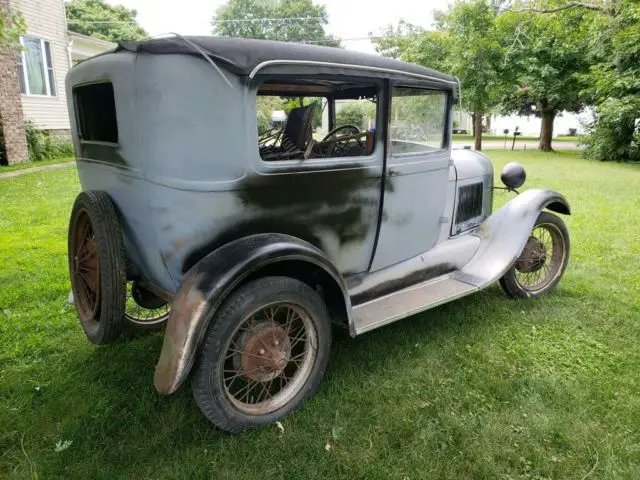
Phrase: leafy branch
(587, 6)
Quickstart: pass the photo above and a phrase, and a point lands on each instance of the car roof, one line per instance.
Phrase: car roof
(243, 56)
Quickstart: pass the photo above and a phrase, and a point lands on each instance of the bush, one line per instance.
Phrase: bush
(615, 133)
(43, 146)
(264, 125)
(352, 114)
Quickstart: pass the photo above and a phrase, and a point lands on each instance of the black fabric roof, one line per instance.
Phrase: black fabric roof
(242, 55)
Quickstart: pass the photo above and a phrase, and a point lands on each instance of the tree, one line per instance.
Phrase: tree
(99, 19)
(12, 25)
(465, 44)
(475, 57)
(613, 81)
(286, 20)
(545, 55)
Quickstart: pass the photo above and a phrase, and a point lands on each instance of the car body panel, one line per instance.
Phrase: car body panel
(209, 282)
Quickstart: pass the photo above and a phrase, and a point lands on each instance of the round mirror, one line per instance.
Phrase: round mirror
(513, 175)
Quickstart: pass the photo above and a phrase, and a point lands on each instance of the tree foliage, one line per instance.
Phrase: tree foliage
(86, 17)
(12, 25)
(466, 43)
(614, 83)
(352, 113)
(297, 21)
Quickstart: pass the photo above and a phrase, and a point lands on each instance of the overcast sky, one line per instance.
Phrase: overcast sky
(347, 18)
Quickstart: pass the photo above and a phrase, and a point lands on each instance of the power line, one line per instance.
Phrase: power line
(232, 20)
(282, 19)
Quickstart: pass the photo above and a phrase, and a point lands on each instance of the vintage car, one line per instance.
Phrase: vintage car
(250, 241)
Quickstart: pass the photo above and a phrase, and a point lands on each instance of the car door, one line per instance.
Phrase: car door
(332, 201)
(416, 173)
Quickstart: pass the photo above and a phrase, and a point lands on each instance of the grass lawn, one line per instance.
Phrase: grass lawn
(482, 388)
(22, 166)
(559, 138)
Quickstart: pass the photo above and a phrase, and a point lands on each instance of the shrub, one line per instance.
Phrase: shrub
(264, 125)
(43, 146)
(352, 114)
(615, 133)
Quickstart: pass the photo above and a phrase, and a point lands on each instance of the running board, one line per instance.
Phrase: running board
(409, 301)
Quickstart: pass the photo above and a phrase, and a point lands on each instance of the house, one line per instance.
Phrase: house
(32, 84)
(84, 46)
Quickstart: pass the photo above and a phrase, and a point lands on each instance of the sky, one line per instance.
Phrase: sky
(347, 18)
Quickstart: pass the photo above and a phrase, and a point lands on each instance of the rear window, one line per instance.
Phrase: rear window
(96, 112)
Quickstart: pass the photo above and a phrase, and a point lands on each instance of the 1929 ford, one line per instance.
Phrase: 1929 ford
(254, 193)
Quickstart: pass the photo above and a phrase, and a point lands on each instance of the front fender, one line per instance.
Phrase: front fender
(208, 283)
(504, 235)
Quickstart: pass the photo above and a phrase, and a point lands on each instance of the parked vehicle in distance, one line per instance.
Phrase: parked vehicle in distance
(260, 239)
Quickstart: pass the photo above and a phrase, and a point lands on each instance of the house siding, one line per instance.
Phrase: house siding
(46, 19)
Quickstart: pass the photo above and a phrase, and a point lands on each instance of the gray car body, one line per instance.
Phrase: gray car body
(188, 181)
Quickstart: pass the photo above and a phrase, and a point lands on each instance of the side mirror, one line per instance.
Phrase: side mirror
(513, 175)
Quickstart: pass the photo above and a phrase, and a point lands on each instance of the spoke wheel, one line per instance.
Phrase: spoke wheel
(97, 266)
(542, 261)
(269, 358)
(264, 354)
(151, 314)
(85, 268)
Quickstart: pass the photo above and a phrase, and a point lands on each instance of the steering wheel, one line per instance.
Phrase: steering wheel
(354, 128)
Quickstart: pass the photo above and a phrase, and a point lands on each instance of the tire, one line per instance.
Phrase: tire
(212, 383)
(97, 266)
(518, 282)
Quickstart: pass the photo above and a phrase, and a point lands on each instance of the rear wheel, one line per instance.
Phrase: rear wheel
(542, 262)
(264, 354)
(97, 267)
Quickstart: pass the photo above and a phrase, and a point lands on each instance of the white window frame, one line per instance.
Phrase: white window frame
(44, 65)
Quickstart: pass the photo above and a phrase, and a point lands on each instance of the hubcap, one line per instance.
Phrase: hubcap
(533, 256)
(541, 260)
(265, 354)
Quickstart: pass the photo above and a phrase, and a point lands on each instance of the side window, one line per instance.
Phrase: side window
(418, 120)
(295, 119)
(96, 112)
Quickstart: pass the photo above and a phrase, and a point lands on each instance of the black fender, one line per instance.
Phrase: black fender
(211, 280)
(504, 234)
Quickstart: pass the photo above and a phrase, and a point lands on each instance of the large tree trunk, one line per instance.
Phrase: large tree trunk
(473, 125)
(477, 130)
(546, 129)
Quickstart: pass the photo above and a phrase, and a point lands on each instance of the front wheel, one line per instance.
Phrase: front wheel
(543, 261)
(264, 354)
(144, 310)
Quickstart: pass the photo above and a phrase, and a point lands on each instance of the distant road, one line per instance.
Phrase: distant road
(520, 145)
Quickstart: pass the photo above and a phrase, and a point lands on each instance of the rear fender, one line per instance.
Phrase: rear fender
(209, 282)
(504, 235)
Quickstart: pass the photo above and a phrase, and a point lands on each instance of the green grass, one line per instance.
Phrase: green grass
(482, 388)
(559, 138)
(22, 166)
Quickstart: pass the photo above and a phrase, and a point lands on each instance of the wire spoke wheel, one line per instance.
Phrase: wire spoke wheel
(542, 259)
(97, 266)
(150, 314)
(85, 269)
(269, 358)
